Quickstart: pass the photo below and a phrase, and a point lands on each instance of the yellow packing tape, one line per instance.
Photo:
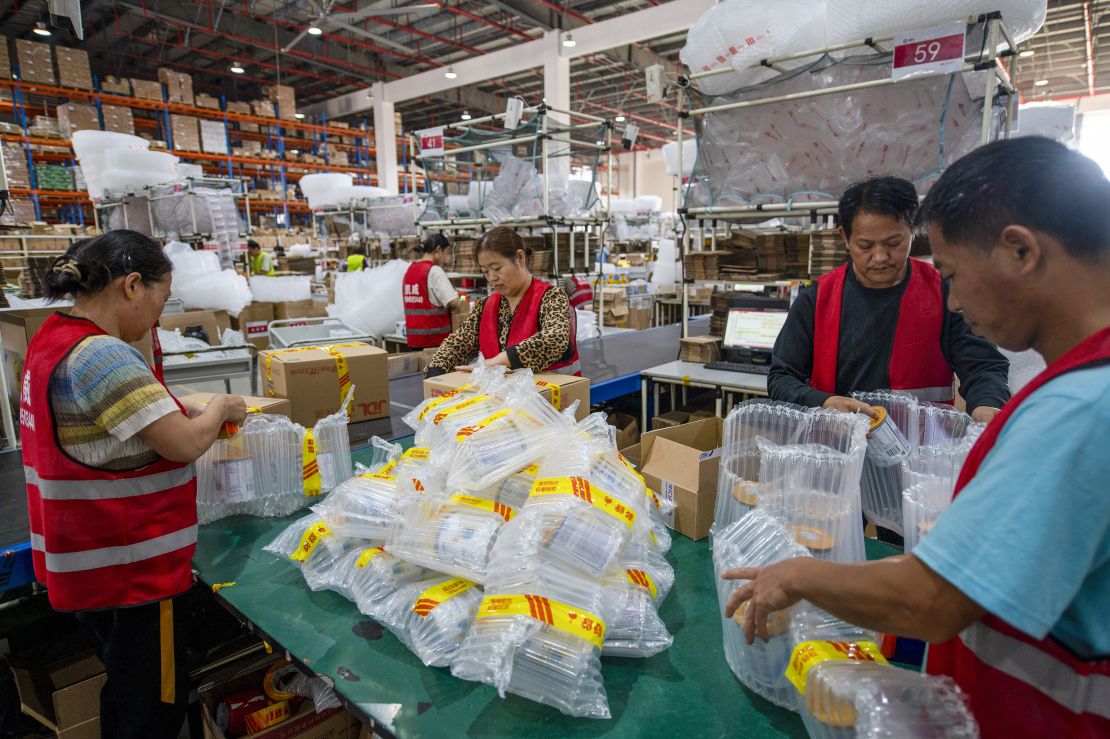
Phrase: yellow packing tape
(447, 412)
(486, 505)
(441, 400)
(367, 555)
(386, 469)
(582, 624)
(340, 366)
(310, 465)
(436, 594)
(313, 535)
(585, 490)
(417, 452)
(467, 431)
(642, 579)
(809, 654)
(556, 392)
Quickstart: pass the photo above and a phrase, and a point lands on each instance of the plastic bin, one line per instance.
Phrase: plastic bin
(314, 332)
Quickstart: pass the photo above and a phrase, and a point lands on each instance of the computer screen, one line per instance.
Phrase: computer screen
(755, 329)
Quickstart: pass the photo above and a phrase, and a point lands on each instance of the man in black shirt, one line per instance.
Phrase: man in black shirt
(882, 320)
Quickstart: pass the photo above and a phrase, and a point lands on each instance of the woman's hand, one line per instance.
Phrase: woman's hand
(235, 409)
(849, 405)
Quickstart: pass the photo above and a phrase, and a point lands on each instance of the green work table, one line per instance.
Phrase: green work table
(686, 690)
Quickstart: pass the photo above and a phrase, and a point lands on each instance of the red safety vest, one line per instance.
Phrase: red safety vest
(582, 294)
(99, 539)
(426, 324)
(159, 359)
(917, 363)
(1018, 685)
(525, 325)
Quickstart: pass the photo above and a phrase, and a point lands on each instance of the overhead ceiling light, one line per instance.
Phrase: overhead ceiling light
(466, 115)
(41, 29)
(236, 68)
(1041, 83)
(294, 151)
(299, 116)
(1026, 54)
(450, 73)
(601, 143)
(619, 118)
(314, 30)
(568, 41)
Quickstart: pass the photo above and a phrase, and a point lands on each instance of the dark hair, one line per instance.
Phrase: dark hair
(89, 265)
(1028, 181)
(252, 244)
(504, 241)
(885, 196)
(433, 242)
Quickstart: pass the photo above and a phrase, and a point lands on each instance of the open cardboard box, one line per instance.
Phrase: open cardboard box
(63, 696)
(212, 322)
(682, 464)
(254, 322)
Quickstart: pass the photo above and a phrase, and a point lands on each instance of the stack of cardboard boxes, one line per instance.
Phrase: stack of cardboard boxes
(613, 301)
(5, 61)
(115, 85)
(206, 101)
(147, 89)
(213, 137)
(73, 68)
(118, 118)
(186, 132)
(284, 98)
(76, 117)
(700, 349)
(179, 86)
(36, 61)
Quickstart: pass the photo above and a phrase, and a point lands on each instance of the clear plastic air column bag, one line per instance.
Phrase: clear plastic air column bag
(432, 616)
(333, 448)
(633, 626)
(365, 507)
(377, 575)
(881, 485)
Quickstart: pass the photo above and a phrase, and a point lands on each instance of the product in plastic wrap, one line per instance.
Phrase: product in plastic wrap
(432, 616)
(330, 455)
(377, 575)
(329, 565)
(365, 507)
(634, 628)
(281, 289)
(454, 537)
(540, 638)
(257, 472)
(881, 484)
(756, 540)
(370, 300)
(922, 504)
(852, 20)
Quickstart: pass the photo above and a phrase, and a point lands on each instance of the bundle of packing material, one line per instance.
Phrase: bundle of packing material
(370, 300)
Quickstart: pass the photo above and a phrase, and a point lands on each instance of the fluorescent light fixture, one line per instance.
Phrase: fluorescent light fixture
(568, 41)
(236, 68)
(294, 151)
(314, 30)
(299, 116)
(1026, 54)
(619, 118)
(601, 143)
(466, 115)
(41, 29)
(450, 73)
(1041, 83)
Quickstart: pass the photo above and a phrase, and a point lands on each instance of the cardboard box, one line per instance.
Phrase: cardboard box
(638, 318)
(405, 363)
(212, 323)
(628, 429)
(5, 61)
(186, 132)
(254, 322)
(73, 68)
(213, 137)
(307, 376)
(63, 696)
(147, 89)
(269, 406)
(701, 349)
(76, 117)
(36, 61)
(115, 85)
(560, 390)
(300, 309)
(682, 464)
(179, 86)
(207, 101)
(118, 118)
(669, 420)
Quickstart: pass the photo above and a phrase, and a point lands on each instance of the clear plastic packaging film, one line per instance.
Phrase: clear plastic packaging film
(922, 504)
(365, 507)
(533, 644)
(634, 628)
(453, 537)
(324, 567)
(432, 616)
(377, 576)
(286, 544)
(756, 540)
(333, 451)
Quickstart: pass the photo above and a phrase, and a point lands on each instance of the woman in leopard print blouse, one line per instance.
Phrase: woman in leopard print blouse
(503, 258)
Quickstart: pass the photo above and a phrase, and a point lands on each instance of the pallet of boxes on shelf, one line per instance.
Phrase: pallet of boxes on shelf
(115, 85)
(73, 68)
(179, 86)
(36, 62)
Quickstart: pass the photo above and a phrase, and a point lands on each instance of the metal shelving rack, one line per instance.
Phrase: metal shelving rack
(1000, 64)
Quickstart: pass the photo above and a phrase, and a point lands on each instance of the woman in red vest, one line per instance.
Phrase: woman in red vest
(111, 493)
(523, 323)
(1012, 584)
(880, 321)
(429, 296)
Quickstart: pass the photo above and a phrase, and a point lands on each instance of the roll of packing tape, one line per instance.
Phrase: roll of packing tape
(746, 493)
(777, 622)
(277, 677)
(231, 714)
(813, 539)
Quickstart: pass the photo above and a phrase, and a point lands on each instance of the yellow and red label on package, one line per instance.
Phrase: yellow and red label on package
(506, 512)
(569, 620)
(809, 654)
(437, 594)
(583, 489)
(312, 537)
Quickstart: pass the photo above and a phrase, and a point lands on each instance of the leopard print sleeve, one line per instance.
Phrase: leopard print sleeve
(550, 344)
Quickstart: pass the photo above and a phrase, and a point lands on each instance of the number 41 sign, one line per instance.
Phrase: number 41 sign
(938, 50)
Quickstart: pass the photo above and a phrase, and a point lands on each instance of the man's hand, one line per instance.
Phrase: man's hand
(849, 405)
(984, 414)
(768, 591)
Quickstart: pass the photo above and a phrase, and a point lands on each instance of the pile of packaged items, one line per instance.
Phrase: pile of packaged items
(511, 544)
(271, 466)
(832, 673)
(913, 458)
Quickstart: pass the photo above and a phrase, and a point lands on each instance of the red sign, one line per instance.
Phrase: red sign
(929, 51)
(431, 142)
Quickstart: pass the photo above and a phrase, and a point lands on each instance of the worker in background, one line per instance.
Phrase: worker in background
(523, 323)
(111, 491)
(258, 261)
(880, 322)
(579, 292)
(356, 259)
(429, 296)
(1012, 584)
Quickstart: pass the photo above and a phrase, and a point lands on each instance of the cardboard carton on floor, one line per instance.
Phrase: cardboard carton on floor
(628, 429)
(269, 406)
(63, 696)
(682, 464)
(561, 390)
(669, 419)
(308, 378)
(212, 323)
(254, 322)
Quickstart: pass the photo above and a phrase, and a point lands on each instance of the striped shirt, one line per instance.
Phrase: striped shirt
(103, 395)
(440, 289)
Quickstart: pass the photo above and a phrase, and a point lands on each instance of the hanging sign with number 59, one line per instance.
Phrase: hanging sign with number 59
(938, 50)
